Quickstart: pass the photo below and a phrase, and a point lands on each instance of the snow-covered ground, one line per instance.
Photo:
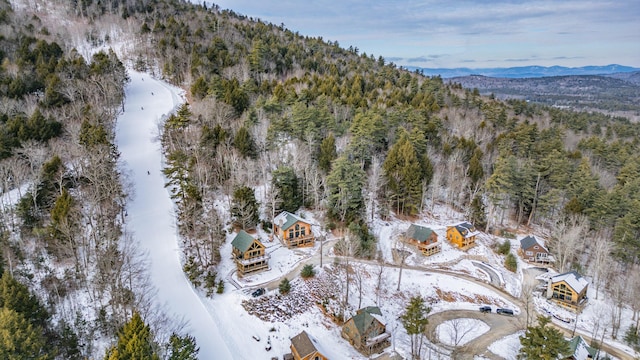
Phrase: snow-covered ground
(460, 331)
(507, 347)
(223, 327)
(151, 213)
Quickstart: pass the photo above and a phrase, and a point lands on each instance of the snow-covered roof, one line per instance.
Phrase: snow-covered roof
(529, 241)
(378, 339)
(573, 279)
(580, 349)
(285, 220)
(466, 229)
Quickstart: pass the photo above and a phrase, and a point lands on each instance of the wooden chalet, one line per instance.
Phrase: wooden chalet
(302, 348)
(462, 235)
(532, 250)
(292, 230)
(249, 253)
(425, 239)
(366, 331)
(568, 290)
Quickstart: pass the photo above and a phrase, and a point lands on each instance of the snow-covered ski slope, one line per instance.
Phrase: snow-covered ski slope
(151, 212)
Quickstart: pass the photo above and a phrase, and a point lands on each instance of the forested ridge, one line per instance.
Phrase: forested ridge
(275, 121)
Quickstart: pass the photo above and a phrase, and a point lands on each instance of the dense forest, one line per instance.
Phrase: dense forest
(311, 123)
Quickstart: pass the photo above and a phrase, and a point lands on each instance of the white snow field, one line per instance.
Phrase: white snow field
(151, 212)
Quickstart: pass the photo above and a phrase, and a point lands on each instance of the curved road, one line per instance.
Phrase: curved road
(501, 325)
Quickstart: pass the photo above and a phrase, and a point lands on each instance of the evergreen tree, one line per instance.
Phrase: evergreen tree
(16, 296)
(286, 182)
(181, 119)
(244, 208)
(475, 171)
(403, 173)
(19, 339)
(478, 216)
(627, 234)
(327, 153)
(307, 271)
(368, 136)
(182, 347)
(415, 322)
(511, 263)
(285, 286)
(244, 143)
(91, 135)
(344, 185)
(543, 342)
(135, 342)
(583, 190)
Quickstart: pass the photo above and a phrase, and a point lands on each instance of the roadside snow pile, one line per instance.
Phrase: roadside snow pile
(458, 332)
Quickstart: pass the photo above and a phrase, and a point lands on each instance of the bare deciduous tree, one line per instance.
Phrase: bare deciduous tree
(458, 329)
(380, 283)
(566, 238)
(375, 182)
(527, 300)
(402, 252)
(601, 258)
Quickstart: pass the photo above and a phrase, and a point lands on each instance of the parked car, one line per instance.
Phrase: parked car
(485, 309)
(258, 292)
(505, 311)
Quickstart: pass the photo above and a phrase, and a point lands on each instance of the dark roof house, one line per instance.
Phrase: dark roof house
(302, 348)
(533, 250)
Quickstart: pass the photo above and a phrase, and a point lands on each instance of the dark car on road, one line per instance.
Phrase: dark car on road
(258, 292)
(505, 311)
(485, 309)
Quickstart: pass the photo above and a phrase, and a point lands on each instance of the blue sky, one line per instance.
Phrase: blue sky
(460, 33)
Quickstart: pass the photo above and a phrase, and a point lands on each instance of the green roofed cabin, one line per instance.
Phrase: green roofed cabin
(425, 239)
(580, 350)
(249, 253)
(366, 331)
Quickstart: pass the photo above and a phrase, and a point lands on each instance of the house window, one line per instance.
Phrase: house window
(302, 231)
(536, 247)
(297, 226)
(291, 234)
(529, 253)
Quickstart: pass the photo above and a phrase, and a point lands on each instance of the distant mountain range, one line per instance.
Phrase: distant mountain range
(526, 71)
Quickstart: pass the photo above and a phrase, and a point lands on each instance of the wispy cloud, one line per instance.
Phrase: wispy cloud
(573, 31)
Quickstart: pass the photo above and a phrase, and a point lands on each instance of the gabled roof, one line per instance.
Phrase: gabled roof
(529, 241)
(418, 232)
(303, 344)
(365, 317)
(242, 241)
(580, 349)
(573, 279)
(466, 229)
(285, 220)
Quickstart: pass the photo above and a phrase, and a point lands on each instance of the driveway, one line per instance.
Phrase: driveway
(493, 275)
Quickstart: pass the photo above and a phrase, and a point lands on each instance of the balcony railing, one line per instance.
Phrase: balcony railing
(253, 260)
